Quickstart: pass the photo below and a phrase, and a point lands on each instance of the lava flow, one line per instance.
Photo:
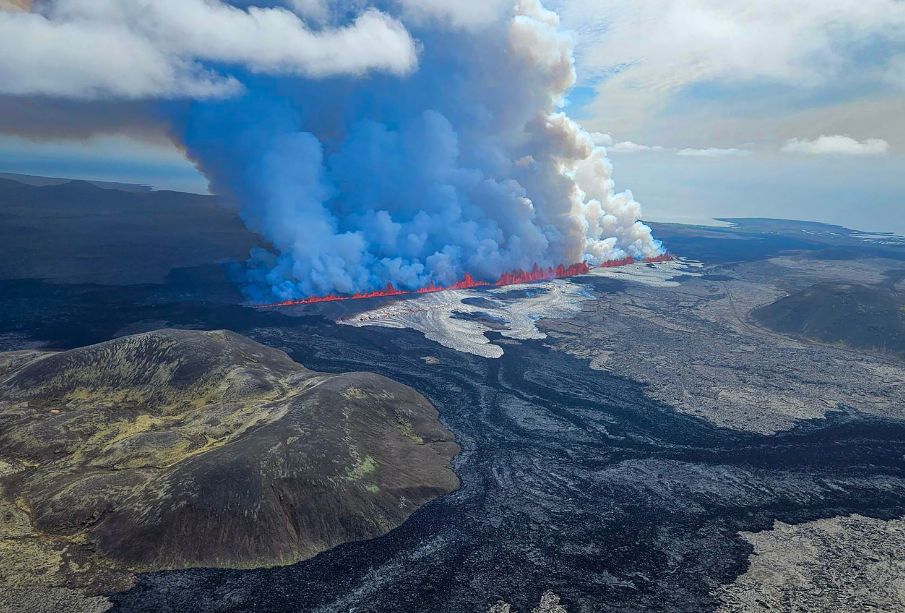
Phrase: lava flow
(517, 277)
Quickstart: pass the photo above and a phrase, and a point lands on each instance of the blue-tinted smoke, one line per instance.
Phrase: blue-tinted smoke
(463, 165)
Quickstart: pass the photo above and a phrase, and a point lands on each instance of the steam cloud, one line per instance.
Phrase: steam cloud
(465, 165)
(397, 141)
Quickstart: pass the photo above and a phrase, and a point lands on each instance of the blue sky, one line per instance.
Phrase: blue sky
(107, 158)
(786, 108)
(701, 98)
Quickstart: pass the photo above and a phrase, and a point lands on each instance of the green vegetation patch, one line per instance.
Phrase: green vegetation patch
(405, 427)
(363, 467)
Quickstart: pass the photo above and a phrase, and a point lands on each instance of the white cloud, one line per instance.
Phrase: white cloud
(643, 53)
(836, 145)
(630, 147)
(137, 49)
(601, 140)
(712, 152)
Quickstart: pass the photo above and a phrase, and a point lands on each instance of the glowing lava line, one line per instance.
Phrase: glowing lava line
(517, 277)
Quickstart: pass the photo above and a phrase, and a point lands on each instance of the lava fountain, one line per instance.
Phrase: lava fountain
(517, 277)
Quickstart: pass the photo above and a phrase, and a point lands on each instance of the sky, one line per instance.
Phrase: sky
(782, 108)
(707, 108)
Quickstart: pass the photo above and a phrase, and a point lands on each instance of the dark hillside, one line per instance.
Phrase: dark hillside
(853, 315)
(77, 232)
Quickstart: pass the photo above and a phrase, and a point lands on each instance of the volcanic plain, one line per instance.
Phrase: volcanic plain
(654, 438)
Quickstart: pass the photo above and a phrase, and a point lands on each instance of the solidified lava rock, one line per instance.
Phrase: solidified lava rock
(178, 449)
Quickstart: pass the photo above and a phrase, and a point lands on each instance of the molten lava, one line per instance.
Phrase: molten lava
(516, 277)
(539, 274)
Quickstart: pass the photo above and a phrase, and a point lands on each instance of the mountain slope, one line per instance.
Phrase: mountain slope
(177, 449)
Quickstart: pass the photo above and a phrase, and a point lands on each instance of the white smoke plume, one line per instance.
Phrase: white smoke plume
(370, 141)
(466, 165)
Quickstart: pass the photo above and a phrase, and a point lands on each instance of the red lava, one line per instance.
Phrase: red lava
(517, 277)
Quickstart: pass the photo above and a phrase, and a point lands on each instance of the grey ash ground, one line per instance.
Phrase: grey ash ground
(699, 346)
(625, 458)
(850, 563)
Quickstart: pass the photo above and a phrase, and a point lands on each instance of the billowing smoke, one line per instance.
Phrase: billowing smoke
(370, 141)
(463, 165)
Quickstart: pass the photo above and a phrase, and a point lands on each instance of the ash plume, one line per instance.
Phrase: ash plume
(465, 165)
